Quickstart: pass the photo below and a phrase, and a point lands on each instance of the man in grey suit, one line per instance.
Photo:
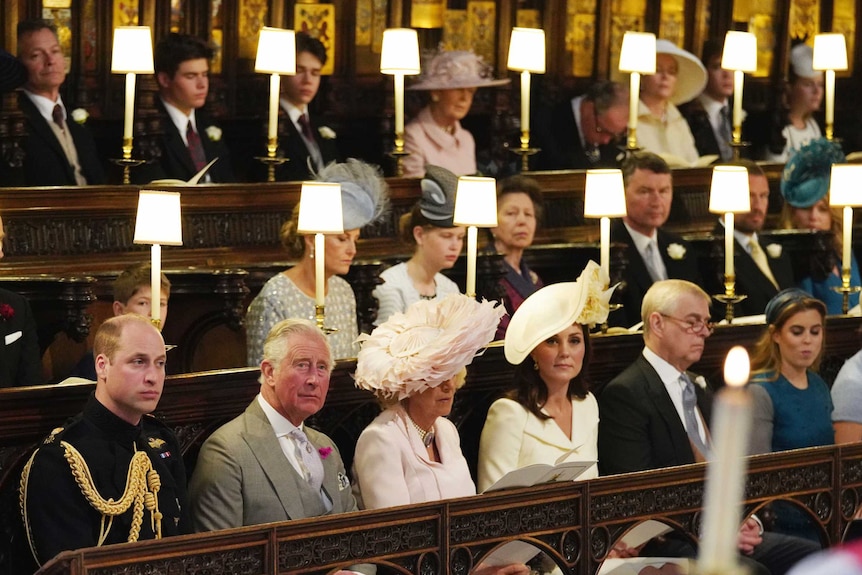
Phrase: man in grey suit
(265, 465)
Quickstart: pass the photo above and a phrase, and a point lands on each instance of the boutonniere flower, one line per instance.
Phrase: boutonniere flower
(676, 251)
(774, 250)
(324, 452)
(701, 381)
(326, 133)
(80, 115)
(7, 312)
(213, 133)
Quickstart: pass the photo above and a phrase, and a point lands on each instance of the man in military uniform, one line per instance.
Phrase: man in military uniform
(114, 447)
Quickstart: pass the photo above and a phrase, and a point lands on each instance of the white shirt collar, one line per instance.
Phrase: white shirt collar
(742, 238)
(641, 241)
(180, 120)
(292, 111)
(666, 372)
(280, 424)
(576, 110)
(46, 105)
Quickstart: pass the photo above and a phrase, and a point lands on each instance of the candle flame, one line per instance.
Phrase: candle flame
(736, 367)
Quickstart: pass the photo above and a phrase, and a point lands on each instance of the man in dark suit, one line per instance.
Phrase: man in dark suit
(58, 150)
(709, 115)
(761, 270)
(581, 133)
(308, 143)
(190, 139)
(652, 254)
(656, 414)
(20, 360)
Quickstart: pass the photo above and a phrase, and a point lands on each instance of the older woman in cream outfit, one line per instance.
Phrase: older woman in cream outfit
(551, 416)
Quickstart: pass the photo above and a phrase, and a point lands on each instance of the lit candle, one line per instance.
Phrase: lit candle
(274, 86)
(605, 246)
(634, 99)
(472, 236)
(130, 106)
(319, 279)
(830, 97)
(846, 242)
(728, 244)
(725, 481)
(738, 79)
(399, 103)
(525, 101)
(156, 282)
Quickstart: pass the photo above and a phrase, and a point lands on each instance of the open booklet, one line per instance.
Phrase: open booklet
(675, 161)
(539, 473)
(195, 179)
(512, 553)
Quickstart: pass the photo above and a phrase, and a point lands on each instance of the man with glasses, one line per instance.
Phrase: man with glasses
(581, 133)
(656, 414)
(652, 254)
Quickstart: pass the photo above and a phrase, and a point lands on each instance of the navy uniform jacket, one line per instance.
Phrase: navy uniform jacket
(56, 513)
(20, 359)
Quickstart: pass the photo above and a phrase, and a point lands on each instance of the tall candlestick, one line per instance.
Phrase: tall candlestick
(634, 99)
(830, 97)
(846, 240)
(728, 244)
(319, 261)
(472, 237)
(725, 481)
(274, 86)
(399, 103)
(156, 282)
(130, 105)
(738, 79)
(605, 246)
(525, 101)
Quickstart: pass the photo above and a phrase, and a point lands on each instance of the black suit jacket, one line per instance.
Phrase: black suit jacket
(637, 278)
(45, 163)
(175, 161)
(556, 133)
(749, 279)
(639, 427)
(292, 146)
(20, 360)
(698, 121)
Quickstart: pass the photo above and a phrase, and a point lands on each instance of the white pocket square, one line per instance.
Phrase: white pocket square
(13, 337)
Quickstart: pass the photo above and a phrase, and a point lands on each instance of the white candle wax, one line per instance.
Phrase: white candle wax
(130, 106)
(399, 103)
(319, 261)
(525, 101)
(605, 246)
(472, 236)
(156, 282)
(634, 99)
(738, 78)
(830, 96)
(846, 239)
(725, 480)
(274, 86)
(728, 244)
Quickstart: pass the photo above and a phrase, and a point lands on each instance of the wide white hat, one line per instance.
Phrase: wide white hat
(691, 79)
(555, 307)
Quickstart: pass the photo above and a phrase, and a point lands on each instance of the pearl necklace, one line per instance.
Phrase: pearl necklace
(425, 436)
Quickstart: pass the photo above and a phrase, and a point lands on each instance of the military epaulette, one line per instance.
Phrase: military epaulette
(53, 435)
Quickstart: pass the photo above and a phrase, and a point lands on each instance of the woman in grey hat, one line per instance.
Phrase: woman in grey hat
(437, 244)
(290, 294)
(435, 135)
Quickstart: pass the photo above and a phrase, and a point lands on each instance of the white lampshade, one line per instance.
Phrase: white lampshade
(830, 52)
(729, 190)
(527, 50)
(476, 202)
(133, 50)
(320, 209)
(740, 51)
(400, 53)
(844, 183)
(276, 51)
(638, 53)
(605, 194)
(159, 219)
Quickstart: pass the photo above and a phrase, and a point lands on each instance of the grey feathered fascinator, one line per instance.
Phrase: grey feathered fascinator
(364, 192)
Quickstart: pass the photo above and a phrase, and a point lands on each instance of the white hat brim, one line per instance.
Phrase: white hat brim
(691, 77)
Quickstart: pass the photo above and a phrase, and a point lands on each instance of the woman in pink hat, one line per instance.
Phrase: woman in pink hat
(435, 135)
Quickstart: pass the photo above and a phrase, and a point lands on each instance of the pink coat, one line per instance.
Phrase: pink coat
(428, 143)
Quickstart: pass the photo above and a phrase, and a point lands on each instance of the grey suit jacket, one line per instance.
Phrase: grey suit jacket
(243, 478)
